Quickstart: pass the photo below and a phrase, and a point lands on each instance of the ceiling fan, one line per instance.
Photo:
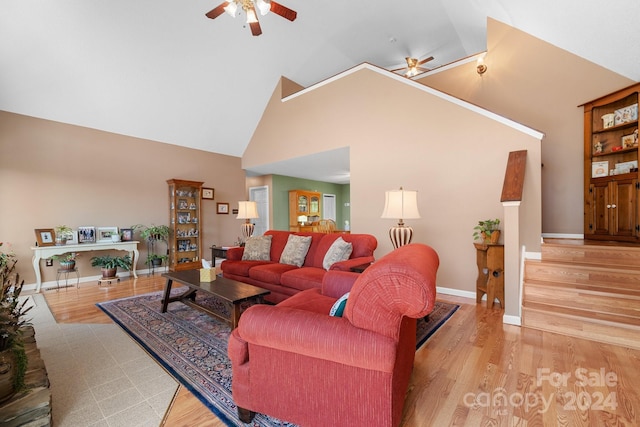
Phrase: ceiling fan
(413, 67)
(249, 7)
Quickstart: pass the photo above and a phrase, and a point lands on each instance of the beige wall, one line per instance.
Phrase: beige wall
(53, 173)
(541, 86)
(400, 135)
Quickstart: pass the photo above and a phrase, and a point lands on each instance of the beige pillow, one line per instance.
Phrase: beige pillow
(257, 249)
(296, 250)
(338, 251)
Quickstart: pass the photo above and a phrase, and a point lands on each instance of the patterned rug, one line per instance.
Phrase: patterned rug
(192, 346)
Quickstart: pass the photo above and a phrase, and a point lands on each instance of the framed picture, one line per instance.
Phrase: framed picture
(222, 208)
(86, 234)
(45, 236)
(127, 234)
(207, 193)
(72, 239)
(599, 169)
(103, 234)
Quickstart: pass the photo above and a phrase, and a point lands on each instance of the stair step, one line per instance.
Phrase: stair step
(577, 325)
(599, 253)
(585, 289)
(555, 271)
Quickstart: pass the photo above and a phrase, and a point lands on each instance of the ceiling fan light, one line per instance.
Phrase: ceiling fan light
(231, 8)
(251, 16)
(264, 6)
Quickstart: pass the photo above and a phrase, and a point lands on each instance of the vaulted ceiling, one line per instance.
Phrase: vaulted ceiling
(161, 70)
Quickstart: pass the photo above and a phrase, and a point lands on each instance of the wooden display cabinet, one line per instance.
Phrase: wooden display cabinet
(303, 202)
(611, 186)
(185, 243)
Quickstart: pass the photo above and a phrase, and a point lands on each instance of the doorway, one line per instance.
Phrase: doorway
(329, 206)
(260, 195)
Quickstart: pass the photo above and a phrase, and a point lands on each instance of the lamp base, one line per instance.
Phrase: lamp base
(247, 230)
(400, 235)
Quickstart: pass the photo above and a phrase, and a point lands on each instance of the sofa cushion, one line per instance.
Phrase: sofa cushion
(296, 250)
(303, 278)
(338, 251)
(309, 300)
(270, 273)
(338, 308)
(240, 268)
(257, 249)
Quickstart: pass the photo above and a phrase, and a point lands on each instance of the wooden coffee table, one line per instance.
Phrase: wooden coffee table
(230, 292)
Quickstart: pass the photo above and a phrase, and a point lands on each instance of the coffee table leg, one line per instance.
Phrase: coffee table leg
(235, 315)
(167, 293)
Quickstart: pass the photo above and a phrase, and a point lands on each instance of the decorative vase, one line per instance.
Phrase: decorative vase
(61, 241)
(67, 265)
(156, 262)
(8, 371)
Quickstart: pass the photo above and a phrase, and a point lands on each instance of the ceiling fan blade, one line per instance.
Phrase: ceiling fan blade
(255, 28)
(214, 13)
(424, 61)
(283, 11)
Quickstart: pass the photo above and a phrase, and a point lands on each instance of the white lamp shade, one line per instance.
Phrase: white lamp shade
(247, 210)
(401, 204)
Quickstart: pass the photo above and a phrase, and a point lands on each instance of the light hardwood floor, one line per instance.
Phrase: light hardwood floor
(475, 371)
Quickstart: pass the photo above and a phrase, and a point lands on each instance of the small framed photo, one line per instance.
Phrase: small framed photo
(222, 208)
(86, 234)
(45, 236)
(127, 234)
(207, 193)
(103, 234)
(599, 169)
(72, 238)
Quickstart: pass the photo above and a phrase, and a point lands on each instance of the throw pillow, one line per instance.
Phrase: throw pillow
(257, 249)
(296, 250)
(338, 251)
(338, 306)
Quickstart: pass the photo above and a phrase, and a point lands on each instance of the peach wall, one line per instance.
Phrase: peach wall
(400, 135)
(541, 86)
(53, 173)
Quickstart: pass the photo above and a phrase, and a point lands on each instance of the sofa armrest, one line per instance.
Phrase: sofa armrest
(352, 262)
(336, 283)
(316, 335)
(235, 253)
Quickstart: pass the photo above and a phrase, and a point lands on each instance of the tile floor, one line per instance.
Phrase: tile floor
(99, 376)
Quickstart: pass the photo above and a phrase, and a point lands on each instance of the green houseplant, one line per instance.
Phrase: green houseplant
(156, 260)
(110, 264)
(13, 359)
(63, 233)
(155, 232)
(487, 231)
(67, 260)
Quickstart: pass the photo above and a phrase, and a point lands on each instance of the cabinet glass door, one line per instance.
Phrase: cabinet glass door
(303, 204)
(314, 207)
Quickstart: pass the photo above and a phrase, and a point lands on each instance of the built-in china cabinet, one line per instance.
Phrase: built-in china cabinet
(611, 167)
(304, 205)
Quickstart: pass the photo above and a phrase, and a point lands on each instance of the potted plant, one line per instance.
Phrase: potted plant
(155, 260)
(109, 264)
(67, 261)
(155, 232)
(63, 233)
(13, 359)
(487, 231)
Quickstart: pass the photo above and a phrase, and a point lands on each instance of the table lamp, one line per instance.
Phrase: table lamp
(401, 204)
(247, 211)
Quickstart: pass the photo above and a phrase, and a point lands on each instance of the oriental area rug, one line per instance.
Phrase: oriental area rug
(192, 346)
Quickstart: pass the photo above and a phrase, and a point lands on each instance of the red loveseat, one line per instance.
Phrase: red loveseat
(284, 280)
(297, 363)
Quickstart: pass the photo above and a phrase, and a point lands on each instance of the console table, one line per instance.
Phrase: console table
(44, 252)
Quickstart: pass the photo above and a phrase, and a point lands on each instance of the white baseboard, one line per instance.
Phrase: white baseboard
(512, 320)
(456, 292)
(562, 236)
(51, 284)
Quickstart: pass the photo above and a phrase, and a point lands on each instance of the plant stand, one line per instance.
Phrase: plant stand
(66, 272)
(108, 280)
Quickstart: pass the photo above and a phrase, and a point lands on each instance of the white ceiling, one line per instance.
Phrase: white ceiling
(161, 70)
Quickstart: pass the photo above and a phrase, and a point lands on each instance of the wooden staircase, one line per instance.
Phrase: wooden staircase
(585, 289)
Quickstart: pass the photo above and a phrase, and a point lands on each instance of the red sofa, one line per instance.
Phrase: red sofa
(297, 363)
(285, 280)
